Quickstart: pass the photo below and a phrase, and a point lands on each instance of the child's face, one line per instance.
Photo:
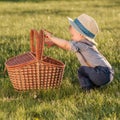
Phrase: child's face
(75, 35)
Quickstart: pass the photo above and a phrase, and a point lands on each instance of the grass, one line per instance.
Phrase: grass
(68, 102)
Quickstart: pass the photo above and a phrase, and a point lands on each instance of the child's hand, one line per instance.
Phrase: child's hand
(48, 36)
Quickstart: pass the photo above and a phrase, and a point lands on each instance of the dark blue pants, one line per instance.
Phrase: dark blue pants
(90, 77)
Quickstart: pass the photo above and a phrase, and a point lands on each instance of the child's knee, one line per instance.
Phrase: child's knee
(81, 69)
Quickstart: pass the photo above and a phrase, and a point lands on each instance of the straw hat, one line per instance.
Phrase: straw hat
(85, 25)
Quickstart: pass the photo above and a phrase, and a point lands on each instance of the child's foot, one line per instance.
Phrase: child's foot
(87, 89)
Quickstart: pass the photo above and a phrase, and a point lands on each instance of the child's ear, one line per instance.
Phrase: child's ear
(81, 35)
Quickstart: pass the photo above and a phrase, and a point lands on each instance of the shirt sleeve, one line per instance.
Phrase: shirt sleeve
(78, 46)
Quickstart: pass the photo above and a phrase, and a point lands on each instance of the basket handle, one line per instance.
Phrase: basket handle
(38, 49)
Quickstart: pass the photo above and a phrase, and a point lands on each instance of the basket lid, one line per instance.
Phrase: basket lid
(20, 59)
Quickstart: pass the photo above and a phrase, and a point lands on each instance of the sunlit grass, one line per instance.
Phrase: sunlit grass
(68, 102)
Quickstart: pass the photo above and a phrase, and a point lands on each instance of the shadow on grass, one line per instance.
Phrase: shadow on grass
(116, 3)
(45, 114)
(31, 0)
(24, 0)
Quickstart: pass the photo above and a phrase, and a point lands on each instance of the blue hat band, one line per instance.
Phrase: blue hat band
(83, 29)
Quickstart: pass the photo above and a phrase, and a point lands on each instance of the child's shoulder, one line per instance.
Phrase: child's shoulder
(81, 45)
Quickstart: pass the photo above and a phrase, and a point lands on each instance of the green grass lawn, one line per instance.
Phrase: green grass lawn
(68, 102)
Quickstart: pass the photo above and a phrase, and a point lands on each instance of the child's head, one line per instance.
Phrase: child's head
(84, 25)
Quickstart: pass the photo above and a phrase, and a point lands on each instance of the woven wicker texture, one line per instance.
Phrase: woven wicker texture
(32, 70)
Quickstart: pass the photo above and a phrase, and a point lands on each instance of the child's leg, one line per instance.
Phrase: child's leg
(98, 75)
(85, 82)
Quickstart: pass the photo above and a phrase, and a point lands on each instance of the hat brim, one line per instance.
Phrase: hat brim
(76, 27)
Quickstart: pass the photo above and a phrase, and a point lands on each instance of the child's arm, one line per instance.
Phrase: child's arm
(64, 44)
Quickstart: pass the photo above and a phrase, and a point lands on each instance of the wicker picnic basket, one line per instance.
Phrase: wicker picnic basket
(32, 70)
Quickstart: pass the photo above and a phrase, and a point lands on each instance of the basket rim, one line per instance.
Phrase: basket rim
(35, 61)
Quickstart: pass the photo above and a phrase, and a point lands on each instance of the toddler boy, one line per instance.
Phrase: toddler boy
(95, 70)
